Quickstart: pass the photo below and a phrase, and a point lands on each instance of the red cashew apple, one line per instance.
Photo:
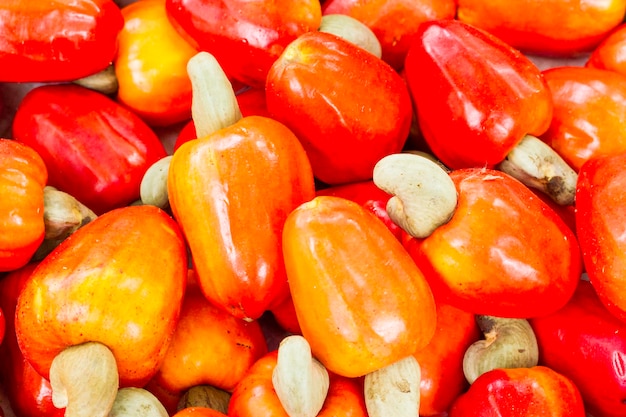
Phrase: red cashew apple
(57, 41)
(28, 393)
(600, 216)
(23, 176)
(209, 347)
(441, 361)
(546, 27)
(246, 37)
(473, 123)
(347, 107)
(520, 392)
(587, 344)
(393, 22)
(95, 314)
(95, 149)
(503, 253)
(360, 300)
(231, 192)
(582, 129)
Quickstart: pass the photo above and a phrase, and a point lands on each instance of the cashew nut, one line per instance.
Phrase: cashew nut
(153, 188)
(430, 156)
(300, 381)
(84, 380)
(104, 81)
(137, 402)
(206, 396)
(537, 165)
(353, 31)
(394, 391)
(508, 343)
(424, 195)
(62, 215)
(214, 105)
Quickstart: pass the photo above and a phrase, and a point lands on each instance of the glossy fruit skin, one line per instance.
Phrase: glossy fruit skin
(393, 22)
(367, 194)
(600, 216)
(95, 149)
(62, 40)
(504, 253)
(255, 395)
(231, 192)
(23, 176)
(589, 113)
(252, 102)
(186, 133)
(28, 393)
(246, 37)
(538, 391)
(209, 347)
(562, 28)
(607, 55)
(346, 267)
(285, 316)
(97, 286)
(473, 124)
(348, 107)
(441, 361)
(566, 212)
(153, 81)
(586, 343)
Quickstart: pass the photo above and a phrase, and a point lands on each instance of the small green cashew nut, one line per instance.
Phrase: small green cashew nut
(424, 195)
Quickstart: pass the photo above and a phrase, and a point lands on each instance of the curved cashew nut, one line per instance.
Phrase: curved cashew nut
(424, 195)
(508, 343)
(84, 380)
